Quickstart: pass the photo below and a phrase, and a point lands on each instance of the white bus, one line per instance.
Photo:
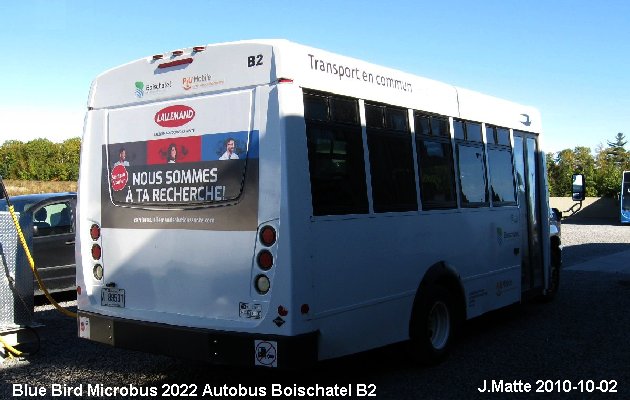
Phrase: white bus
(267, 203)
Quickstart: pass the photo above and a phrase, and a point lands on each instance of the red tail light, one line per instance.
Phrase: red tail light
(268, 235)
(96, 251)
(265, 260)
(95, 232)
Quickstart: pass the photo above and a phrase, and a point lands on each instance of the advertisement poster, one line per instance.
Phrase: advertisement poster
(181, 178)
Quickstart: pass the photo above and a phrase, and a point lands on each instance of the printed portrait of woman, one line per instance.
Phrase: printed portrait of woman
(171, 154)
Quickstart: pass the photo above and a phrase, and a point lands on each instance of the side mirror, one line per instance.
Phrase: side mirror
(579, 188)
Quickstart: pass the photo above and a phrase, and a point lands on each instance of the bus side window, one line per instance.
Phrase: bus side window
(391, 159)
(435, 162)
(471, 165)
(501, 171)
(335, 155)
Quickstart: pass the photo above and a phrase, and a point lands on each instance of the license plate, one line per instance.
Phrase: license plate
(112, 297)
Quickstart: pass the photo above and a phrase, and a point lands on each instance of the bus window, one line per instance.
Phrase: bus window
(435, 162)
(471, 164)
(335, 155)
(391, 160)
(501, 175)
(473, 131)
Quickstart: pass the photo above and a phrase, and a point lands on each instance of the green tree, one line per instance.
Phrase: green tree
(616, 151)
(585, 164)
(68, 162)
(551, 174)
(12, 156)
(610, 163)
(8, 158)
(41, 156)
(565, 168)
(565, 163)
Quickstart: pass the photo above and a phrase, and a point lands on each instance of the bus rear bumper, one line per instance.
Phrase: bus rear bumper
(213, 346)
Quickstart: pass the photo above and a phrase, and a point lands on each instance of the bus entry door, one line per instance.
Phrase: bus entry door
(526, 162)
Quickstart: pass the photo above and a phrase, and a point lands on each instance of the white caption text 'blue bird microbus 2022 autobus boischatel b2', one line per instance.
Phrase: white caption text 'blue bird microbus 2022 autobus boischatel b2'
(269, 204)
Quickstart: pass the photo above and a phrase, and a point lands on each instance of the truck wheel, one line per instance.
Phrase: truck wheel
(432, 325)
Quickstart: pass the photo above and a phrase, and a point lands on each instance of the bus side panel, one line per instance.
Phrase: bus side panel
(368, 270)
(295, 208)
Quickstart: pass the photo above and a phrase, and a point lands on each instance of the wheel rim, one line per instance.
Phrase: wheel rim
(439, 325)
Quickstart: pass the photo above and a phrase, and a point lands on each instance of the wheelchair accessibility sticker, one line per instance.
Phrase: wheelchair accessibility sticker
(266, 353)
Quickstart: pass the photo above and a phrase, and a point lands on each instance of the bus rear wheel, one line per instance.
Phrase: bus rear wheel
(432, 325)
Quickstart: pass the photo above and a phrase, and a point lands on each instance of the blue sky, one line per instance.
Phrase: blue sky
(570, 59)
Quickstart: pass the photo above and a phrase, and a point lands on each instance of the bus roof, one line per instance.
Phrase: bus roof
(228, 66)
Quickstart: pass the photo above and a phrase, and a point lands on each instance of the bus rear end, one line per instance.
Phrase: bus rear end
(174, 254)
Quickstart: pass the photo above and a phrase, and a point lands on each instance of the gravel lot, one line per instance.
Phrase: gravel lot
(582, 335)
(584, 240)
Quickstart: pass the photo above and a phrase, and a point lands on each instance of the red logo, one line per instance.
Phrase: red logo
(174, 116)
(119, 177)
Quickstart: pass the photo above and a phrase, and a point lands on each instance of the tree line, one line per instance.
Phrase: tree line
(40, 160)
(602, 171)
(43, 160)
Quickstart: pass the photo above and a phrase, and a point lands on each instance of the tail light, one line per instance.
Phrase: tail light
(262, 284)
(96, 251)
(265, 260)
(95, 232)
(98, 271)
(268, 235)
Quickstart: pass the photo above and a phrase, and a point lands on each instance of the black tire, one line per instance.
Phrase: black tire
(433, 324)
